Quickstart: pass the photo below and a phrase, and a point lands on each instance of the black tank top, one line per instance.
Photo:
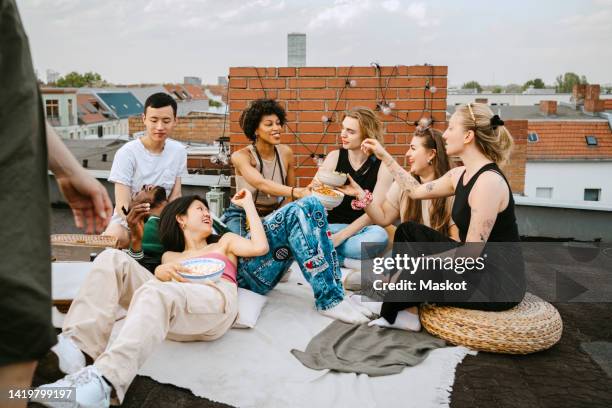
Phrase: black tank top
(505, 228)
(365, 176)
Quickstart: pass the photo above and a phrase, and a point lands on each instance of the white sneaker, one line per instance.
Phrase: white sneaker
(91, 391)
(71, 358)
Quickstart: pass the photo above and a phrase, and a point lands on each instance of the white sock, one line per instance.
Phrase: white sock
(345, 312)
(404, 321)
(71, 358)
(365, 302)
(351, 279)
(352, 263)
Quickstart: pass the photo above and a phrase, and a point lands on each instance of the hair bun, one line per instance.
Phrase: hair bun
(496, 121)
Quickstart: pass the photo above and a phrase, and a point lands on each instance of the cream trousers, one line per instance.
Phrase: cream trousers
(156, 311)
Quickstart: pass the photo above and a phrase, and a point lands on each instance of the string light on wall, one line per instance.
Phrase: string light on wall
(387, 108)
(326, 119)
(318, 158)
(222, 157)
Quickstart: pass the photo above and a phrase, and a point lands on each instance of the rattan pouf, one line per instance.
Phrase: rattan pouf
(533, 325)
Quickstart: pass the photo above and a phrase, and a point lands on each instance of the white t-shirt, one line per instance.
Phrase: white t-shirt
(135, 166)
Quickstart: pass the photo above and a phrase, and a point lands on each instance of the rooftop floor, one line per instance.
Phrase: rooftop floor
(577, 372)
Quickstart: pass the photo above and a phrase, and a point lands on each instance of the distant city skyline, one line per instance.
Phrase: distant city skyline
(162, 41)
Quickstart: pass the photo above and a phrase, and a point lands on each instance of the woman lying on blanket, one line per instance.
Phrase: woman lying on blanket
(159, 307)
(483, 211)
(265, 167)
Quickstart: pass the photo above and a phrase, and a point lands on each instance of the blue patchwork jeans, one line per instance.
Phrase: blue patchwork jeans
(234, 219)
(298, 231)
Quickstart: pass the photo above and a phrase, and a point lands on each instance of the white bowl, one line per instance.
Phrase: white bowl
(329, 202)
(204, 269)
(331, 178)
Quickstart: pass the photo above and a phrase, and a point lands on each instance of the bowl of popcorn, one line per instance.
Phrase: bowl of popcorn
(331, 178)
(328, 197)
(203, 269)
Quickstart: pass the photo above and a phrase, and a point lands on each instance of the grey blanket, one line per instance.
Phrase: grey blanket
(374, 351)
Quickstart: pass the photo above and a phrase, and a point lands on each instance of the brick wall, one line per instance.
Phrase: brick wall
(515, 168)
(311, 92)
(203, 128)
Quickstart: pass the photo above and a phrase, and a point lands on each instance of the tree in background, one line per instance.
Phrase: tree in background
(497, 89)
(566, 82)
(536, 83)
(514, 88)
(76, 80)
(472, 85)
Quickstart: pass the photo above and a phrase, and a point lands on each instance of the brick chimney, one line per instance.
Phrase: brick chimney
(592, 92)
(481, 100)
(594, 105)
(548, 108)
(578, 93)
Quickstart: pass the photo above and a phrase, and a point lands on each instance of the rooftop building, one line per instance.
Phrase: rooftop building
(296, 50)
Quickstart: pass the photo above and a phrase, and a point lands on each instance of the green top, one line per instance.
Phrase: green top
(151, 245)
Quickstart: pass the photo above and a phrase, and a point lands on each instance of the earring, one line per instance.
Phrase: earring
(430, 162)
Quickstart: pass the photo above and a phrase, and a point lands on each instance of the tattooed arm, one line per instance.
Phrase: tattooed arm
(442, 187)
(487, 199)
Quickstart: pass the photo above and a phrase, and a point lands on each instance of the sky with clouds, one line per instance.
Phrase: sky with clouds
(155, 41)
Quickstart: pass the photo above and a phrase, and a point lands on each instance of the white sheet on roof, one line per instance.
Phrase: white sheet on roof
(254, 368)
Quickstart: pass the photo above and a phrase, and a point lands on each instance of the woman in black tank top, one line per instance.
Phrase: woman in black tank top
(349, 224)
(483, 211)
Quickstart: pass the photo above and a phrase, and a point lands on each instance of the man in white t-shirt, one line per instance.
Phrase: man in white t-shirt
(153, 159)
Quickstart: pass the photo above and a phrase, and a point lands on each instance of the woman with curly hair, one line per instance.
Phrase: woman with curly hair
(265, 167)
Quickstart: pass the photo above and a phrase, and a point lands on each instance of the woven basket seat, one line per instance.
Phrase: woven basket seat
(533, 325)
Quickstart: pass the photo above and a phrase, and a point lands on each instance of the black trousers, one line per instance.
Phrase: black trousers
(427, 241)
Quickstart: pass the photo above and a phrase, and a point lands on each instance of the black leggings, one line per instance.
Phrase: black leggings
(422, 235)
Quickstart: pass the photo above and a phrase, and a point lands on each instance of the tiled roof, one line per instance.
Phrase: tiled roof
(196, 92)
(123, 104)
(566, 140)
(87, 111)
(177, 91)
(220, 90)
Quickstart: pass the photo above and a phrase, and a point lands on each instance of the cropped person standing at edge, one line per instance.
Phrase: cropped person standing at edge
(26, 331)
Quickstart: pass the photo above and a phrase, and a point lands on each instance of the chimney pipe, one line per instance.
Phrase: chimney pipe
(548, 108)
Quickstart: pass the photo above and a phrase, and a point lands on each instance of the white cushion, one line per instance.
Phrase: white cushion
(249, 308)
